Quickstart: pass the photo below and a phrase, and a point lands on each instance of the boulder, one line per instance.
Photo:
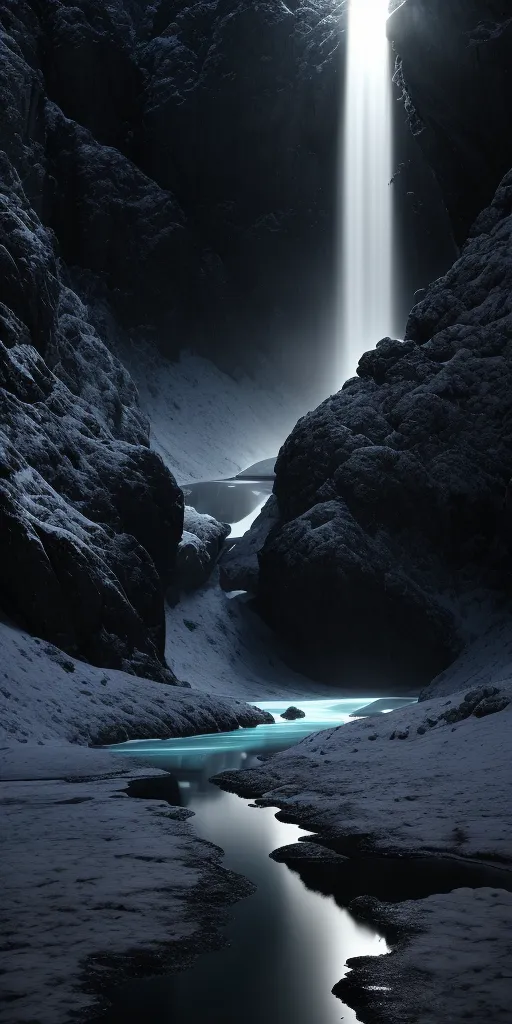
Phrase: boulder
(292, 713)
(198, 549)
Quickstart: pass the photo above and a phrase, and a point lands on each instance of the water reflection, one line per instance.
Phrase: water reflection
(288, 943)
(197, 758)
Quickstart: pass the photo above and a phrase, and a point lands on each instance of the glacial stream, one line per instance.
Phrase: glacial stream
(288, 943)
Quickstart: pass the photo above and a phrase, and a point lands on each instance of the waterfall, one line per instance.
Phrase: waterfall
(365, 247)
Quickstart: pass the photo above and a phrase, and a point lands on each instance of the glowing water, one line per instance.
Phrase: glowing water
(366, 226)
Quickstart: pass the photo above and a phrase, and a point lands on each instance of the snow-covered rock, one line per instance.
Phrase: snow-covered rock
(199, 549)
(91, 518)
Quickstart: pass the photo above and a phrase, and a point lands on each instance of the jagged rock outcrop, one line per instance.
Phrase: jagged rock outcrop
(90, 517)
(198, 550)
(392, 493)
(454, 68)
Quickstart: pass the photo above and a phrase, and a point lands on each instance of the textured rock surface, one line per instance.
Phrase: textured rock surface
(90, 518)
(194, 175)
(292, 713)
(198, 549)
(454, 66)
(392, 494)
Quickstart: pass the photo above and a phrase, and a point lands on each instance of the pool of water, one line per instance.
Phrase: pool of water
(288, 943)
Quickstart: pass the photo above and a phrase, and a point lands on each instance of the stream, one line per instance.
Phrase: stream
(288, 944)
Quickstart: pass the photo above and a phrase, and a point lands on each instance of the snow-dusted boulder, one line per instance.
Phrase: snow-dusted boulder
(198, 549)
(391, 494)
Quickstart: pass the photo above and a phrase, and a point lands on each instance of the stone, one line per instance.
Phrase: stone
(391, 493)
(198, 549)
(292, 713)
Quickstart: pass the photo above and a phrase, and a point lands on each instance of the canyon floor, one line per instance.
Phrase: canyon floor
(87, 866)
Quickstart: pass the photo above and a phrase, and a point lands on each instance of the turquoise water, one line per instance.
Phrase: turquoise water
(288, 944)
(215, 752)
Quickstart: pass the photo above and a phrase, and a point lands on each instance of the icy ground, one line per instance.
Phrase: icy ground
(434, 778)
(91, 878)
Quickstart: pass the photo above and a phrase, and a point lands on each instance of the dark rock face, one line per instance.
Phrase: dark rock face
(90, 517)
(392, 493)
(293, 713)
(454, 67)
(186, 155)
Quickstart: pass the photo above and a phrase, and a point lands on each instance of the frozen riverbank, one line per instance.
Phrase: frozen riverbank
(432, 779)
(96, 885)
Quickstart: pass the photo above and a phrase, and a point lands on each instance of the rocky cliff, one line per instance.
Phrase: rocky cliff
(147, 158)
(90, 517)
(453, 64)
(392, 495)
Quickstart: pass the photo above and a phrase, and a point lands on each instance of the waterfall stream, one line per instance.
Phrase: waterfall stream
(365, 311)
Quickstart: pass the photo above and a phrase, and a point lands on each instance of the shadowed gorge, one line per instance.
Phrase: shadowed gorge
(255, 511)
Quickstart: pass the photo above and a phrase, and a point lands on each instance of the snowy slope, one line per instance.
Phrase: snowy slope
(46, 696)
(434, 777)
(94, 880)
(206, 424)
(220, 646)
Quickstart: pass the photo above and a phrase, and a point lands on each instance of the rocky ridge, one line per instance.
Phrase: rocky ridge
(393, 494)
(90, 517)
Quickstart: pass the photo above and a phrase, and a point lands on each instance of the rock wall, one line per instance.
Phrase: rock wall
(392, 495)
(186, 155)
(90, 517)
(454, 68)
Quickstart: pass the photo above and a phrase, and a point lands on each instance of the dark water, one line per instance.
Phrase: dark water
(290, 940)
(289, 943)
(236, 501)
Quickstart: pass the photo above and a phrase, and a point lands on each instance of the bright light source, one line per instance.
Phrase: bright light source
(365, 312)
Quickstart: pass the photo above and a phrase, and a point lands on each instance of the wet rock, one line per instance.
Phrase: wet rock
(292, 713)
(198, 549)
(307, 852)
